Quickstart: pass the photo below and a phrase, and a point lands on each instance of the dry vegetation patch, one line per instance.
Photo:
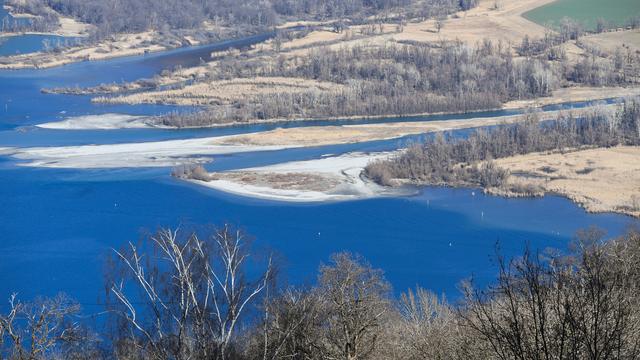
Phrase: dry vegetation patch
(575, 94)
(117, 46)
(601, 180)
(280, 181)
(328, 135)
(610, 41)
(224, 91)
(491, 19)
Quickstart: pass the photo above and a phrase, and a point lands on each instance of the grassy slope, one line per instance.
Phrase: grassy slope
(585, 11)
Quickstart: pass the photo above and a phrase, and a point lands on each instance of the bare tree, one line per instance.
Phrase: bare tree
(357, 299)
(35, 330)
(194, 292)
(440, 23)
(582, 305)
(430, 328)
(292, 327)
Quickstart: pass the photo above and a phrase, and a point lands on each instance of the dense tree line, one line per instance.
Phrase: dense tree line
(400, 79)
(118, 16)
(455, 161)
(195, 301)
(395, 79)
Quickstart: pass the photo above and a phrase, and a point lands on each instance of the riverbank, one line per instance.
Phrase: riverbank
(244, 89)
(120, 46)
(575, 94)
(347, 134)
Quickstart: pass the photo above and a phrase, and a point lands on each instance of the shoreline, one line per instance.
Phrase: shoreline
(53, 63)
(328, 179)
(592, 94)
(125, 45)
(338, 178)
(69, 27)
(346, 172)
(599, 180)
(107, 121)
(177, 152)
(169, 153)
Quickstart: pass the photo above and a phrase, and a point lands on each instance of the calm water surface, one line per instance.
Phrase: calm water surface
(57, 226)
(25, 44)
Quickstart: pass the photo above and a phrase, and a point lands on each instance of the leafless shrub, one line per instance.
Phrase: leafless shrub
(42, 328)
(560, 307)
(490, 175)
(548, 169)
(524, 188)
(585, 171)
(195, 172)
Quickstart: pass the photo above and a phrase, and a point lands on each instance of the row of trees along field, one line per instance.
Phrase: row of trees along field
(194, 300)
(400, 79)
(124, 16)
(467, 161)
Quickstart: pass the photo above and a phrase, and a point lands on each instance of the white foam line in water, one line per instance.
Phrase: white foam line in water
(99, 122)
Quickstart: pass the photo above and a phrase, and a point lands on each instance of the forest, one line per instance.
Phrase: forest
(401, 79)
(467, 161)
(206, 295)
(128, 16)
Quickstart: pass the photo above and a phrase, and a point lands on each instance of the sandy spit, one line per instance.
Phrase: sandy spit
(327, 179)
(98, 122)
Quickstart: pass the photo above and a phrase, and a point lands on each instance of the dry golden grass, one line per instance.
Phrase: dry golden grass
(504, 24)
(601, 180)
(313, 38)
(610, 41)
(573, 94)
(71, 27)
(280, 181)
(224, 92)
(68, 26)
(344, 134)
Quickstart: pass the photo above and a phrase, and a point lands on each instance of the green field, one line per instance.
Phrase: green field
(615, 12)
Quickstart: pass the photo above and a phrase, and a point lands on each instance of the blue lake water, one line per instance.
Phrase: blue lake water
(4, 14)
(57, 226)
(30, 43)
(25, 44)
